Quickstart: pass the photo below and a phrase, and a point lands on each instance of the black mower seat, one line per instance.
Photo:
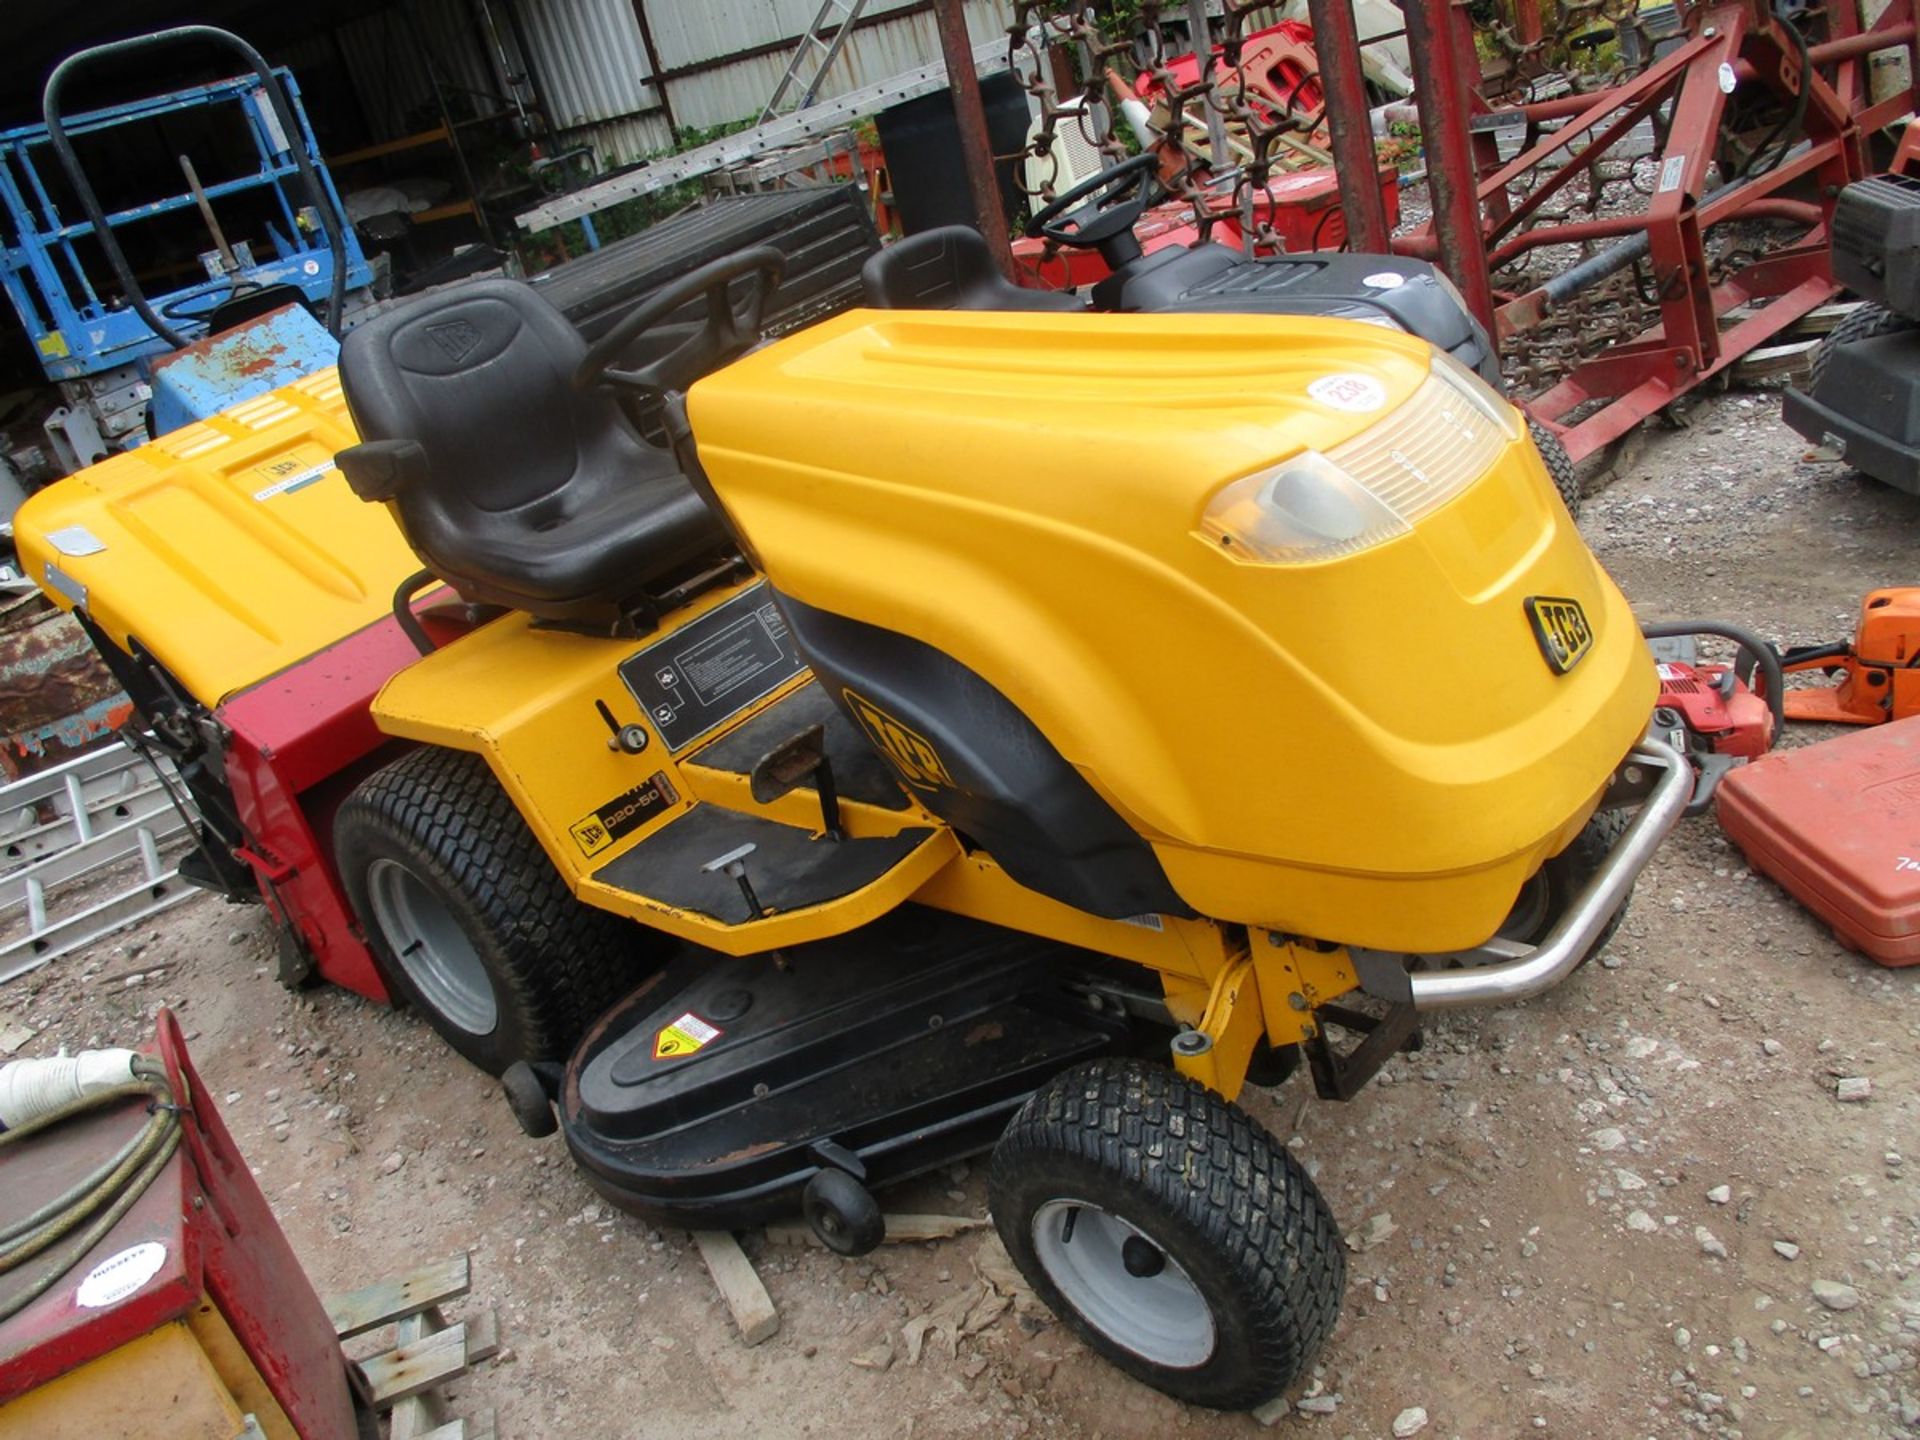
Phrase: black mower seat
(950, 269)
(511, 485)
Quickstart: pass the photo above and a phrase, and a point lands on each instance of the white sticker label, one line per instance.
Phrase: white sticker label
(1671, 171)
(114, 1279)
(297, 481)
(1726, 78)
(1385, 280)
(1145, 922)
(1669, 672)
(1356, 394)
(76, 540)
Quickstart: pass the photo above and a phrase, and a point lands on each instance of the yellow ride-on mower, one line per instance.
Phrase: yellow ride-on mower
(1008, 729)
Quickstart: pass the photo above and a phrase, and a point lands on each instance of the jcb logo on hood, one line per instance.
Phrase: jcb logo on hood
(916, 760)
(1561, 629)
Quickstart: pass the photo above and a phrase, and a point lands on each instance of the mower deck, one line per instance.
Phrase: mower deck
(712, 1095)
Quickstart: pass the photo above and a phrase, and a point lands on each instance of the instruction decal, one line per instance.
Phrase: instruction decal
(1355, 394)
(119, 1276)
(910, 752)
(688, 1035)
(712, 668)
(624, 814)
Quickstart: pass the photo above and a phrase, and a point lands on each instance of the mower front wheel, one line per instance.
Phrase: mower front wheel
(469, 921)
(1559, 465)
(1169, 1231)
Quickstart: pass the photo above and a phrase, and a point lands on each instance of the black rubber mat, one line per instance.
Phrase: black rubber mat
(859, 772)
(788, 869)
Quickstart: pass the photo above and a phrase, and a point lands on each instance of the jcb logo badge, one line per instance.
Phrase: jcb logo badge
(918, 761)
(1561, 629)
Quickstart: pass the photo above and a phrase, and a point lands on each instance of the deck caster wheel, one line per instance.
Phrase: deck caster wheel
(843, 1213)
(1169, 1231)
(527, 1098)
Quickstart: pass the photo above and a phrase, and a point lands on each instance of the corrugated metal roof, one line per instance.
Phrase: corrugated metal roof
(739, 88)
(690, 34)
(589, 60)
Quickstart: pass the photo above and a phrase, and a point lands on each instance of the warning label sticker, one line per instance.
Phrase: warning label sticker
(1356, 394)
(688, 1035)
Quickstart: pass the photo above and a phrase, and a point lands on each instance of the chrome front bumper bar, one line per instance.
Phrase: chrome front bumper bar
(1519, 972)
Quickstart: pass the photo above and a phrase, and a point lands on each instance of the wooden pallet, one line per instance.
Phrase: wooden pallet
(428, 1350)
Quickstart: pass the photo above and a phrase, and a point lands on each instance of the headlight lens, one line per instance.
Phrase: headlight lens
(1313, 507)
(1305, 508)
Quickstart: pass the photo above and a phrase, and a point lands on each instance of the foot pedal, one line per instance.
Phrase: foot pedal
(799, 758)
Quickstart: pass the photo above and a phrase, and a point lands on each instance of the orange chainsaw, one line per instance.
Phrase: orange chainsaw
(1878, 674)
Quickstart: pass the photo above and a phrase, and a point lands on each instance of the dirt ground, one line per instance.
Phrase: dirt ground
(1599, 1214)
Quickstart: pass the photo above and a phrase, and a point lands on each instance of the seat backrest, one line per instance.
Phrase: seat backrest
(481, 378)
(949, 268)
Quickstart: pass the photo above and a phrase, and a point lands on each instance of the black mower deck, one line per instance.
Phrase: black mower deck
(712, 1096)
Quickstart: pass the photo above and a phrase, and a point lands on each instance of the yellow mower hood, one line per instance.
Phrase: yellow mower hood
(1373, 748)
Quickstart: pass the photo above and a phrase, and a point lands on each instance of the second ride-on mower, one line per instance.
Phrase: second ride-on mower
(998, 724)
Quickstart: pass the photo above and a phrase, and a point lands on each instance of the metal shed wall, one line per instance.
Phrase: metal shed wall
(720, 60)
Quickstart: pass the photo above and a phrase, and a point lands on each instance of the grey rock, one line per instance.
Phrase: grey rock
(1410, 1421)
(1786, 1249)
(1853, 1088)
(1709, 1242)
(1720, 1194)
(1834, 1295)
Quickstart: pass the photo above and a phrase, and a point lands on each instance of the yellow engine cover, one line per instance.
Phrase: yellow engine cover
(230, 548)
(1371, 750)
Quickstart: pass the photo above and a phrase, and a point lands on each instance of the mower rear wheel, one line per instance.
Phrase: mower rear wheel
(1865, 321)
(1169, 1231)
(1559, 465)
(467, 918)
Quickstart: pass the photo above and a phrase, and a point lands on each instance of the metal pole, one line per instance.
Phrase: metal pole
(1336, 39)
(1203, 56)
(976, 147)
(1440, 94)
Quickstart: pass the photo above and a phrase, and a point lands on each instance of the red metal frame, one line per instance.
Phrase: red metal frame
(1478, 225)
(300, 741)
(222, 1243)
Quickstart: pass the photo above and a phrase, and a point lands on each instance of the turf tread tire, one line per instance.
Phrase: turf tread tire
(1559, 465)
(1204, 1179)
(1864, 322)
(555, 963)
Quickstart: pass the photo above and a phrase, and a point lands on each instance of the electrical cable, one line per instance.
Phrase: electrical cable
(95, 1204)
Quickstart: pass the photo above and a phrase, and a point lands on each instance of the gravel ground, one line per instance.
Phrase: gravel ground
(1635, 1207)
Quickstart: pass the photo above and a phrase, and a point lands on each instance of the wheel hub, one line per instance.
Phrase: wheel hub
(1124, 1284)
(431, 947)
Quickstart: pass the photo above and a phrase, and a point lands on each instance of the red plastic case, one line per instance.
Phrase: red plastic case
(1837, 824)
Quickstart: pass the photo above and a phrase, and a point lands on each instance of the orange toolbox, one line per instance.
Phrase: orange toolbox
(1837, 825)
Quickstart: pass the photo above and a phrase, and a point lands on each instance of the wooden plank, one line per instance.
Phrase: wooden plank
(901, 1230)
(739, 1285)
(359, 1311)
(409, 1369)
(483, 1336)
(476, 1427)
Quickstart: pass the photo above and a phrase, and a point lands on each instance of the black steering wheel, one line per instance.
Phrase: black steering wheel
(728, 331)
(1104, 210)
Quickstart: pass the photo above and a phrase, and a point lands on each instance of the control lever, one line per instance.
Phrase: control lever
(793, 761)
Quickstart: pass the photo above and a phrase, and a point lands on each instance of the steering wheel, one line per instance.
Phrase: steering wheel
(728, 331)
(1105, 208)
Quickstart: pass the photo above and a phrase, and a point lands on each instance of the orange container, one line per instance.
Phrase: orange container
(1837, 825)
